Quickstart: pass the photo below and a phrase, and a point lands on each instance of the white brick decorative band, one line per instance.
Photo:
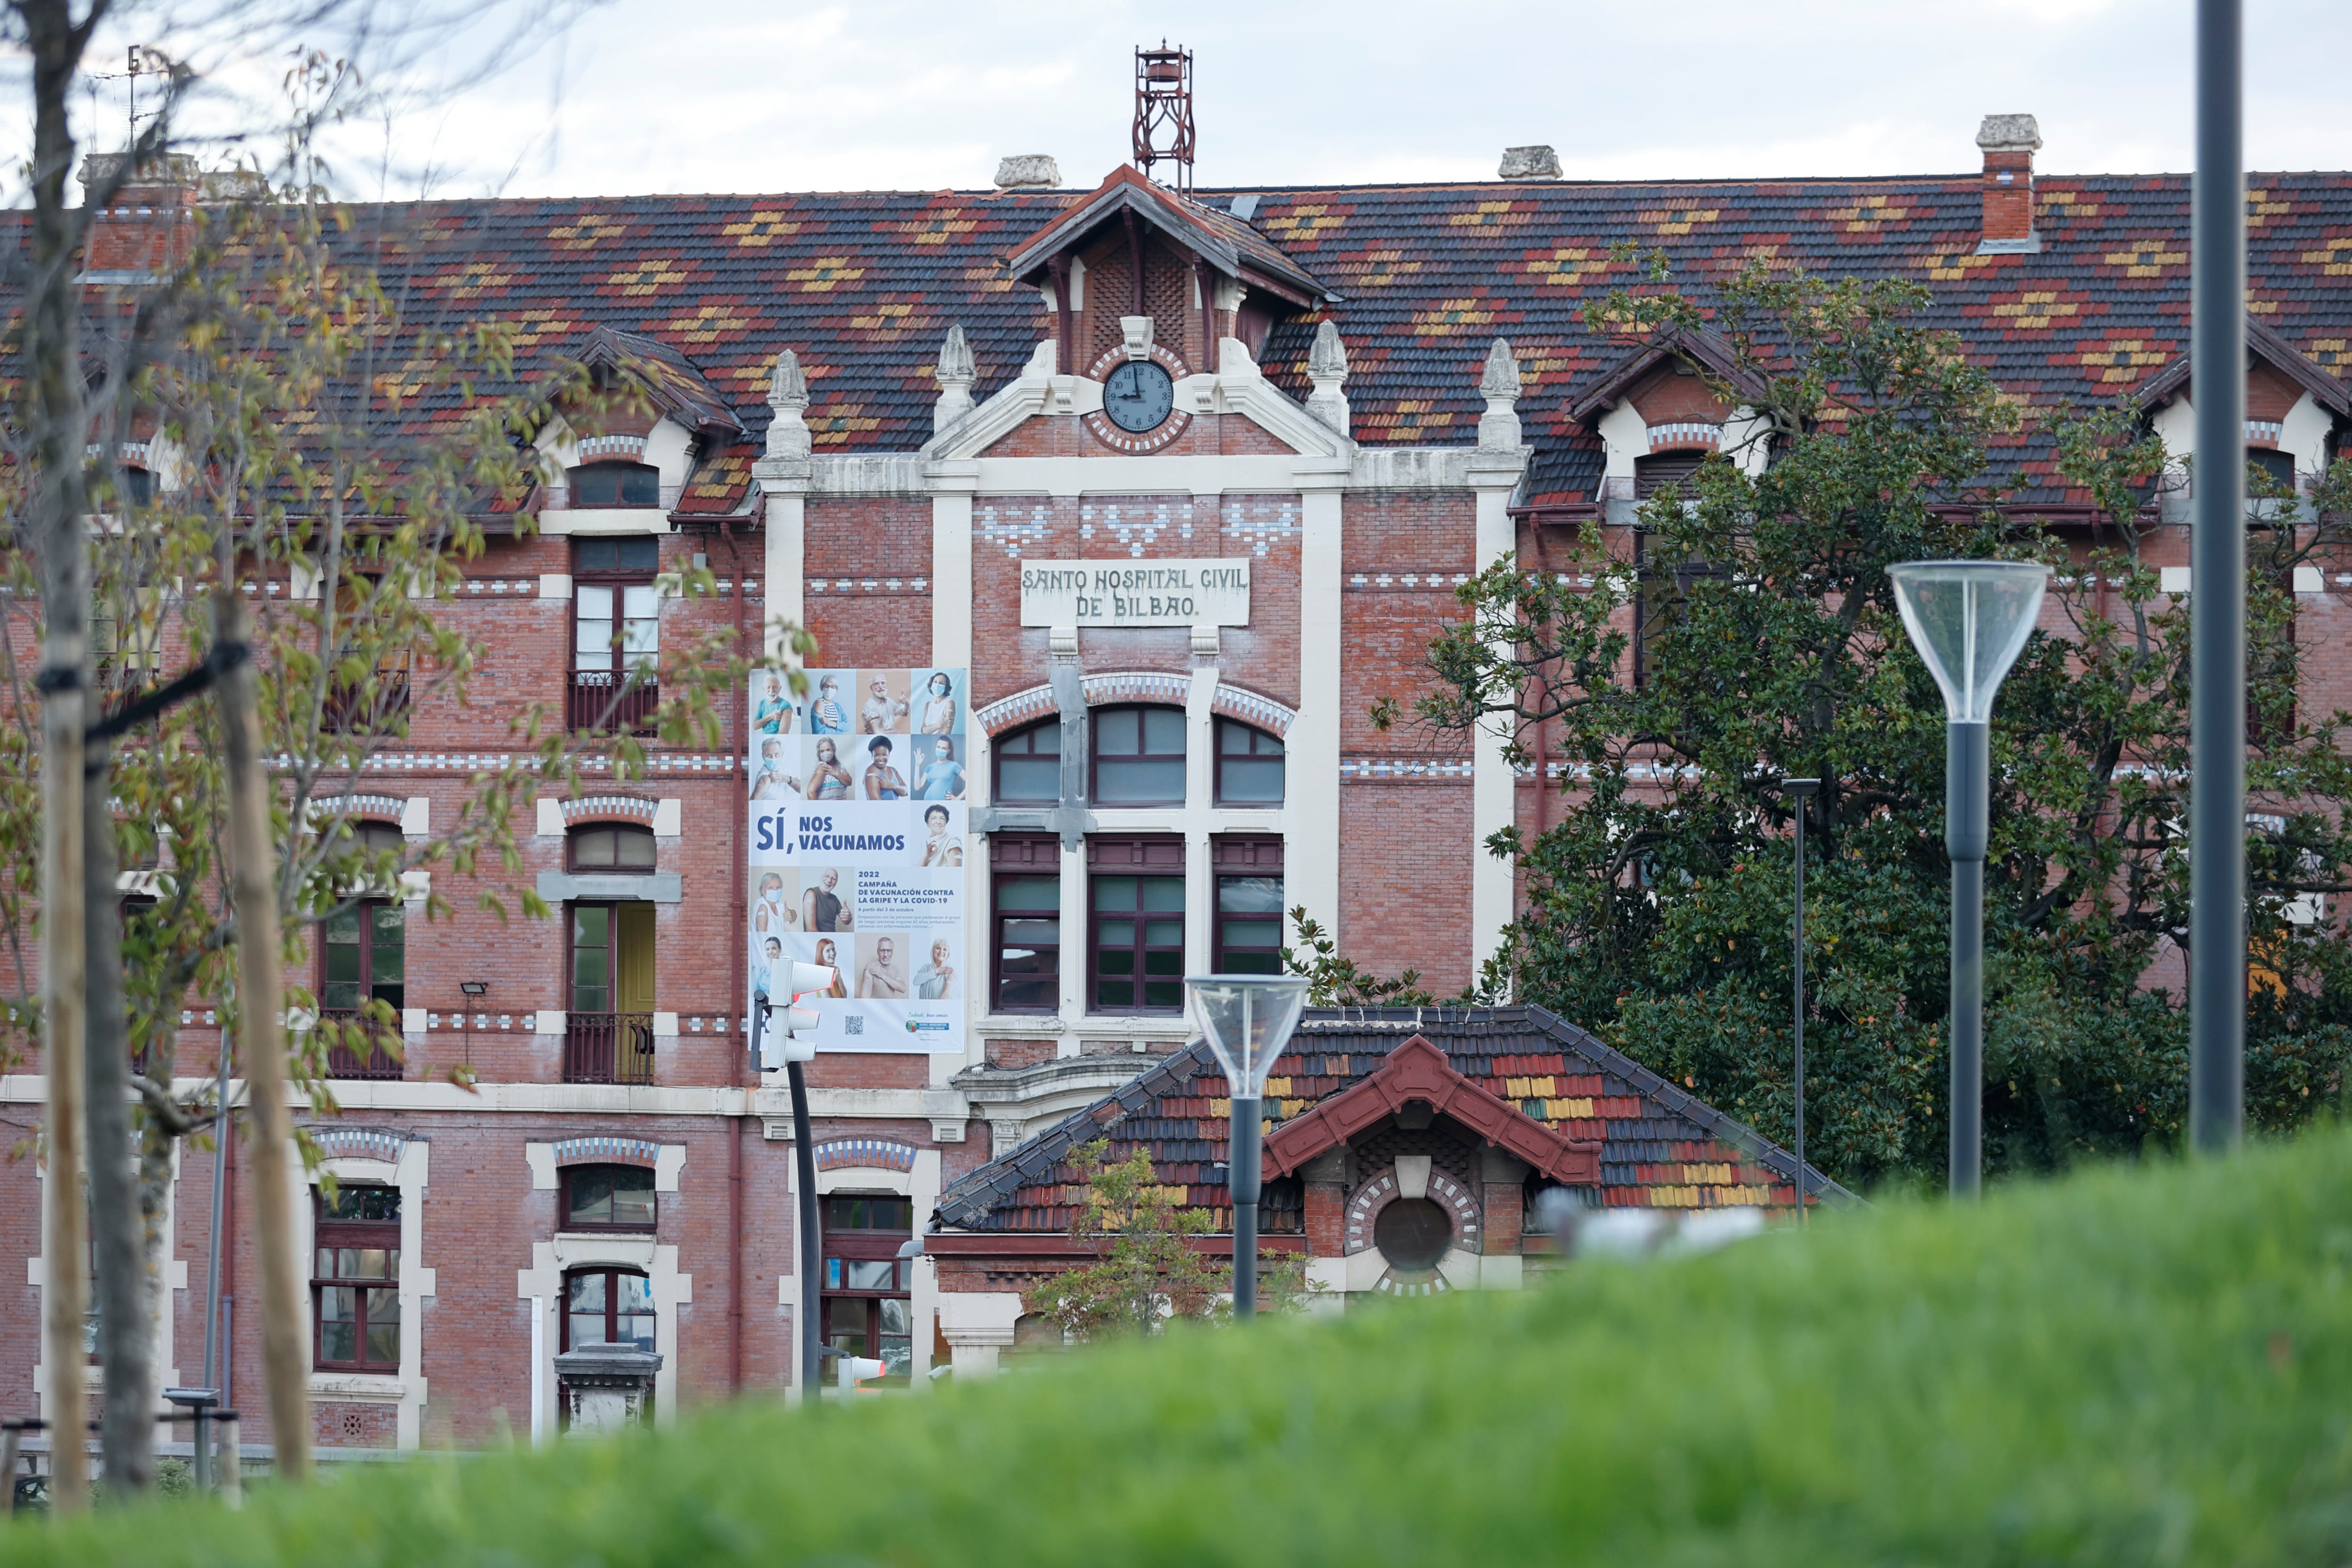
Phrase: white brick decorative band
(1685, 432)
(1365, 769)
(2268, 430)
(869, 1152)
(606, 1150)
(365, 806)
(608, 807)
(1137, 687)
(358, 1144)
(1235, 702)
(1019, 708)
(602, 449)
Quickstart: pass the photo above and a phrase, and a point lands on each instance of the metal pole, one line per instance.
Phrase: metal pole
(221, 1133)
(1804, 1217)
(812, 1248)
(1242, 1173)
(1968, 763)
(2217, 608)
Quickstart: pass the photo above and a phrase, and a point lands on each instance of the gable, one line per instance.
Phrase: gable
(1657, 1146)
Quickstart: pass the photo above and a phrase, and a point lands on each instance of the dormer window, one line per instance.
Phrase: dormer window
(2277, 465)
(615, 485)
(137, 486)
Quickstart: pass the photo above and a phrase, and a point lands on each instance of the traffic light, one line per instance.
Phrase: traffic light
(850, 1373)
(795, 1041)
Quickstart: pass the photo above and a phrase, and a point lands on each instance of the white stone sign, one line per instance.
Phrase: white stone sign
(1135, 593)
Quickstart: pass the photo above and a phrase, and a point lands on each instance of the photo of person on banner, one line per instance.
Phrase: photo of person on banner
(884, 712)
(939, 774)
(774, 714)
(883, 782)
(940, 709)
(828, 953)
(822, 908)
(772, 782)
(935, 981)
(771, 910)
(882, 967)
(827, 778)
(826, 716)
(941, 848)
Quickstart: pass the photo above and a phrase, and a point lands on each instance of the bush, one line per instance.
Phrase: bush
(2131, 1366)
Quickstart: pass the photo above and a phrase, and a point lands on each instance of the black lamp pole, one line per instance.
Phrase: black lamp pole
(2217, 604)
(1801, 790)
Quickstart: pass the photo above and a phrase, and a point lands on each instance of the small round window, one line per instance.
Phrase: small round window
(1412, 1233)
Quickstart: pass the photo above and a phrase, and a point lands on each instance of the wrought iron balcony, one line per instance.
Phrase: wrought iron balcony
(608, 1048)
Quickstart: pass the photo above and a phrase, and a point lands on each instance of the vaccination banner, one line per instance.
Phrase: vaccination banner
(858, 842)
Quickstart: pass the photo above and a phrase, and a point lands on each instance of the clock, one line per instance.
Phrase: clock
(1138, 395)
(1138, 414)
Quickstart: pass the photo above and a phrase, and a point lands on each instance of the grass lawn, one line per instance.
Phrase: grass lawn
(2149, 1366)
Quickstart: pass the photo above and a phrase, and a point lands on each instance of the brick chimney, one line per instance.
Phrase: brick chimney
(145, 228)
(2009, 141)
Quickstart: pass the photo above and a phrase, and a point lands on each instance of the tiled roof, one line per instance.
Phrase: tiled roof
(1661, 1147)
(1431, 275)
(864, 285)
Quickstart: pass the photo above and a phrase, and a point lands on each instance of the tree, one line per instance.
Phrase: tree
(1657, 908)
(1145, 1275)
(324, 449)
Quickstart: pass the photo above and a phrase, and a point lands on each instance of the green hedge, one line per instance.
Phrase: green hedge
(2128, 1366)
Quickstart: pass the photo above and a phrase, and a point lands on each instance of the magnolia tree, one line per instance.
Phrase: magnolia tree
(320, 451)
(1657, 906)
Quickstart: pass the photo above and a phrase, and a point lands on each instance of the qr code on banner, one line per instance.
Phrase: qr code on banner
(853, 1023)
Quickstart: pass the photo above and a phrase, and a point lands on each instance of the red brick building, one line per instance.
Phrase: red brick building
(875, 414)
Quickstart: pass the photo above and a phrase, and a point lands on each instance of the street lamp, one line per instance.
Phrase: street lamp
(1247, 1018)
(1969, 620)
(1801, 792)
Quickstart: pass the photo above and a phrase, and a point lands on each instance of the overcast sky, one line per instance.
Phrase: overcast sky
(659, 96)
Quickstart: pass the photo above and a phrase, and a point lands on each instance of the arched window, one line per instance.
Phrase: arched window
(138, 486)
(1249, 766)
(614, 485)
(1029, 765)
(867, 1308)
(608, 1198)
(355, 1280)
(611, 847)
(1652, 474)
(1138, 755)
(607, 1306)
(2278, 466)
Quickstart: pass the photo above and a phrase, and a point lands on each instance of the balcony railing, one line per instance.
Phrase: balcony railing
(373, 1061)
(559, 499)
(608, 1048)
(594, 707)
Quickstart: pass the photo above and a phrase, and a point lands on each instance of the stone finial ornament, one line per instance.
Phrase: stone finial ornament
(1028, 172)
(955, 377)
(788, 395)
(1498, 427)
(1327, 367)
(1529, 163)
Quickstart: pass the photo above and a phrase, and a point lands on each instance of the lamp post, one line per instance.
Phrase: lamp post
(1969, 620)
(2217, 604)
(1247, 1019)
(1801, 791)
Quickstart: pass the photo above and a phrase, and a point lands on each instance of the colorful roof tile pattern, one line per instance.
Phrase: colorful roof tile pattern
(1660, 1147)
(865, 285)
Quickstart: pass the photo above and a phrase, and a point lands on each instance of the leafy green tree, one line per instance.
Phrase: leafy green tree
(1145, 1275)
(1657, 909)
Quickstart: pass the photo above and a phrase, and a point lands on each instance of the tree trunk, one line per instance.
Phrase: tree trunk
(261, 1045)
(52, 397)
(125, 1330)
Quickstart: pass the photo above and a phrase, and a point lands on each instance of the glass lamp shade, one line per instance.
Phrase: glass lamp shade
(1969, 619)
(1247, 1018)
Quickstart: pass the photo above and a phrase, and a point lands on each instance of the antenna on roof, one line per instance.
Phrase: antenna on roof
(1163, 113)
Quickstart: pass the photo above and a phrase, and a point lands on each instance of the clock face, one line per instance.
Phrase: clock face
(1138, 395)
